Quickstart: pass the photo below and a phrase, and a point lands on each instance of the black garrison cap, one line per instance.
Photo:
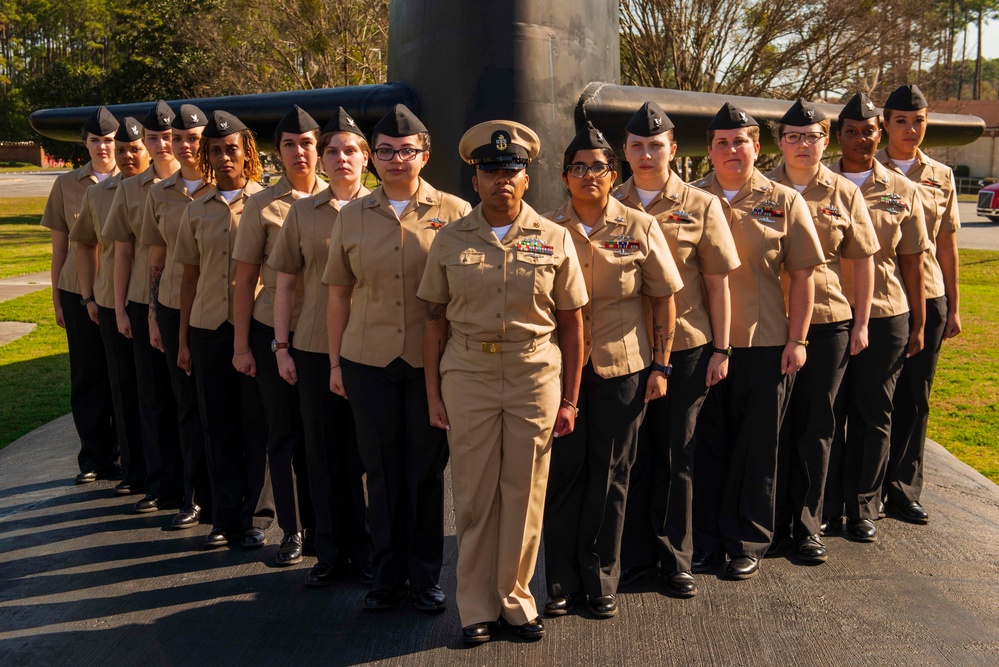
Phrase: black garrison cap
(399, 122)
(342, 122)
(731, 117)
(222, 124)
(189, 117)
(296, 121)
(860, 107)
(802, 113)
(159, 117)
(130, 130)
(649, 121)
(906, 98)
(588, 137)
(101, 122)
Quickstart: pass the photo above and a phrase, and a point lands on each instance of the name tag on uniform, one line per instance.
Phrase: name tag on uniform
(680, 216)
(535, 247)
(623, 245)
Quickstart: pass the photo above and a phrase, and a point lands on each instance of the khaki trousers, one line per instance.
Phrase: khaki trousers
(502, 408)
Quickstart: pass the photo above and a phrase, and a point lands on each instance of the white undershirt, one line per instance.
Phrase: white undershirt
(343, 202)
(229, 195)
(101, 177)
(191, 185)
(399, 206)
(729, 194)
(589, 228)
(645, 196)
(501, 232)
(799, 188)
(858, 178)
(904, 165)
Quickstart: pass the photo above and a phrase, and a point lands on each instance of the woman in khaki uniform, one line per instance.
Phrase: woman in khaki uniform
(845, 230)
(905, 123)
(229, 402)
(498, 285)
(336, 484)
(157, 410)
(165, 206)
(96, 275)
(255, 343)
(378, 251)
(89, 390)
(658, 523)
(624, 257)
(858, 462)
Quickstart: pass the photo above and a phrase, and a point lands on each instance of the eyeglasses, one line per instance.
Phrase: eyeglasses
(808, 137)
(579, 170)
(386, 154)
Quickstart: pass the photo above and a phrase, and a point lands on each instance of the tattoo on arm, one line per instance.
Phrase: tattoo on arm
(661, 343)
(156, 272)
(435, 311)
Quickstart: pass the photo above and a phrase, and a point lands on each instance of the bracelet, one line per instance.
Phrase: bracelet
(566, 401)
(666, 370)
(803, 343)
(727, 351)
(239, 354)
(332, 367)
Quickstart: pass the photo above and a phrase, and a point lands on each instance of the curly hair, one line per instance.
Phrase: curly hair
(252, 168)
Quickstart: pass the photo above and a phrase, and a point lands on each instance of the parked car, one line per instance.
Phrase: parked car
(988, 202)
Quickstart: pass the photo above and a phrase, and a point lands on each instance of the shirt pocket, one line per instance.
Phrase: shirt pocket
(535, 274)
(464, 271)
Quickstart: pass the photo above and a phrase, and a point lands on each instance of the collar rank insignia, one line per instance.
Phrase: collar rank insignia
(623, 245)
(680, 216)
(620, 195)
(560, 216)
(619, 218)
(535, 247)
(675, 196)
(435, 223)
(831, 210)
(933, 182)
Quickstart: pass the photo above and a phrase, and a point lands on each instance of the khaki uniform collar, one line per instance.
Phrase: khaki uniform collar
(526, 223)
(672, 190)
(883, 157)
(757, 183)
(877, 179)
(615, 215)
(87, 171)
(326, 197)
(425, 195)
(822, 178)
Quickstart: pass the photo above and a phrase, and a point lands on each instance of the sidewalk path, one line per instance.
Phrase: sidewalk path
(11, 288)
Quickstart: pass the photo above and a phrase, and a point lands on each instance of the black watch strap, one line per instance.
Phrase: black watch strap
(666, 370)
(727, 351)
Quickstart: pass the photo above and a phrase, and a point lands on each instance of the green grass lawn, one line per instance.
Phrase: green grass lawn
(25, 246)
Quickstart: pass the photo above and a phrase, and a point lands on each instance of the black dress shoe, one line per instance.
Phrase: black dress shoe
(186, 518)
(384, 598)
(680, 584)
(912, 512)
(363, 574)
(321, 574)
(86, 477)
(147, 504)
(217, 538)
(477, 633)
(862, 530)
(290, 551)
(431, 600)
(831, 525)
(637, 573)
(705, 561)
(123, 489)
(253, 538)
(530, 631)
(604, 606)
(742, 567)
(810, 549)
(560, 605)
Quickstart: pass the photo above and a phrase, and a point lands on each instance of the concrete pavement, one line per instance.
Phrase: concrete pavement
(29, 183)
(11, 288)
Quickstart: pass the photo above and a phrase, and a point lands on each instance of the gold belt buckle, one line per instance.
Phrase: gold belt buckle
(492, 348)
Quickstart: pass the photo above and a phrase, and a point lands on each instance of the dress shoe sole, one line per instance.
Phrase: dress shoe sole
(902, 516)
(604, 614)
(252, 545)
(477, 639)
(214, 545)
(430, 609)
(681, 595)
(555, 613)
(864, 539)
(741, 576)
(281, 562)
(145, 510)
(183, 526)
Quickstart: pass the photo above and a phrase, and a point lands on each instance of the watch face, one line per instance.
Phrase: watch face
(273, 346)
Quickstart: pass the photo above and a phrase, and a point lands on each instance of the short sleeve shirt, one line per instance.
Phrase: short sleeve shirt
(935, 185)
(124, 223)
(206, 237)
(165, 206)
(255, 239)
(698, 235)
(844, 226)
(87, 230)
(897, 215)
(382, 256)
(301, 249)
(503, 291)
(61, 210)
(773, 230)
(622, 258)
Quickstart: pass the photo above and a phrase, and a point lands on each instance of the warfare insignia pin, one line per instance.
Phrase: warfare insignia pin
(623, 245)
(435, 223)
(831, 210)
(680, 216)
(895, 202)
(933, 182)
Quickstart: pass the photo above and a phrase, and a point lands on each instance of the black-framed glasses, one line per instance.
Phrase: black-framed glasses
(809, 138)
(579, 170)
(385, 154)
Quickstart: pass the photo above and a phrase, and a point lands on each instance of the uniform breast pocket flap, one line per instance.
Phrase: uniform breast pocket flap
(464, 271)
(535, 273)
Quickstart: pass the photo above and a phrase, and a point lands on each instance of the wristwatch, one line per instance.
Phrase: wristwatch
(727, 351)
(275, 346)
(666, 370)
(84, 302)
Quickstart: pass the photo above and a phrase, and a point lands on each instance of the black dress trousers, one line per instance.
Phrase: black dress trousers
(124, 398)
(904, 479)
(89, 389)
(236, 433)
(588, 485)
(659, 523)
(336, 474)
(157, 410)
(809, 427)
(197, 489)
(735, 464)
(404, 459)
